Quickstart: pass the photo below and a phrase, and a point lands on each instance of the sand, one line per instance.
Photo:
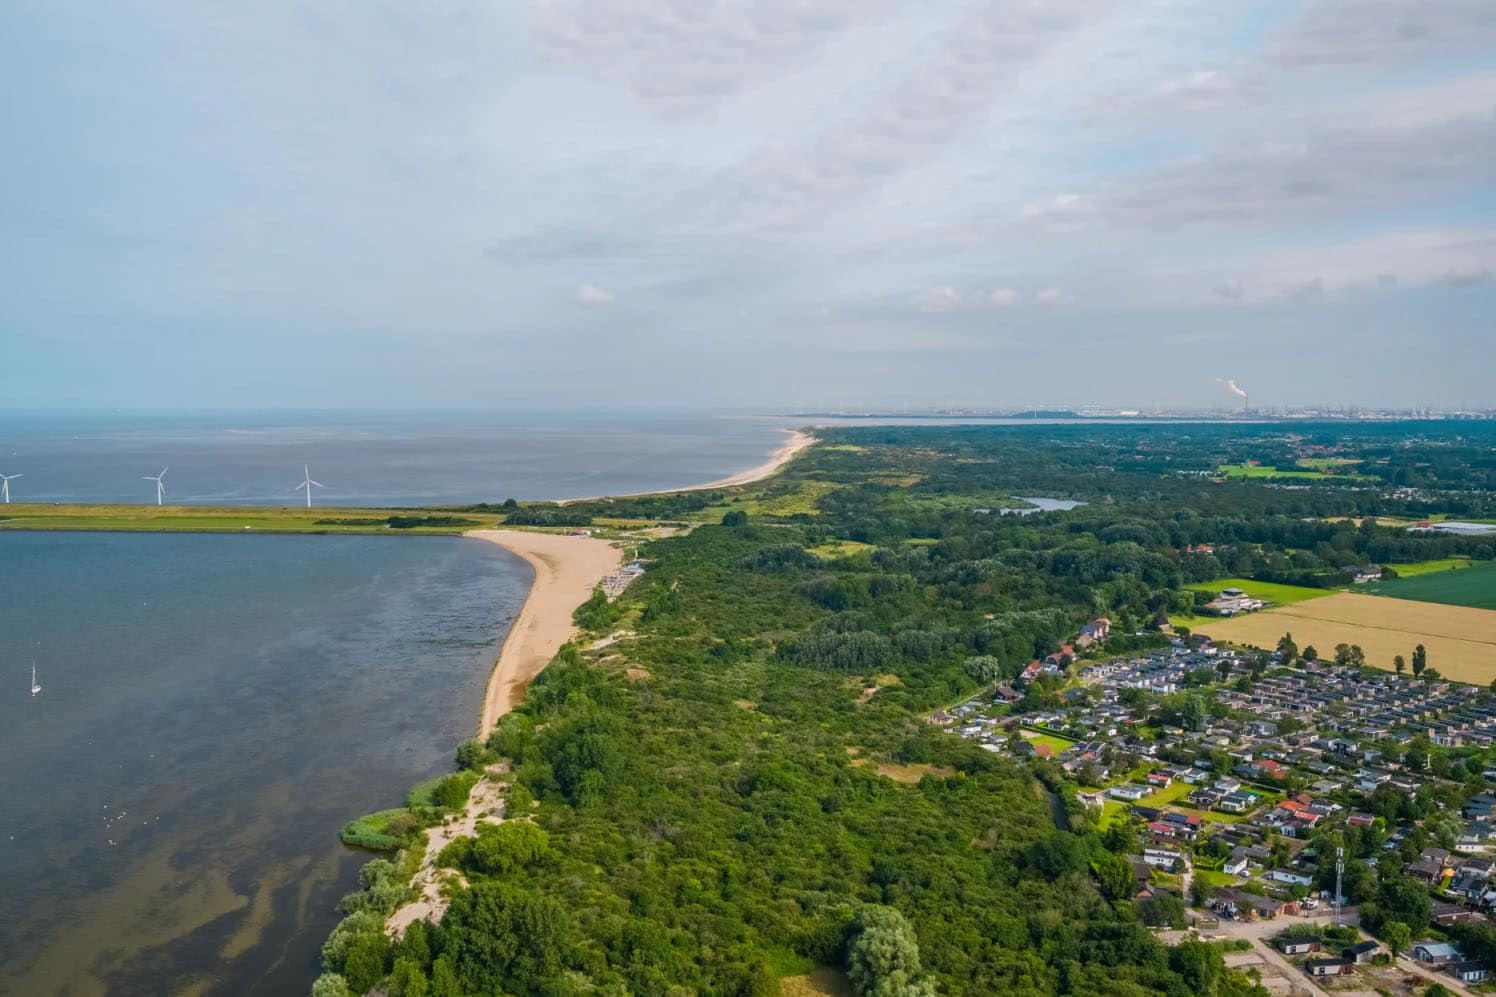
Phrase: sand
(566, 570)
(1461, 641)
(798, 441)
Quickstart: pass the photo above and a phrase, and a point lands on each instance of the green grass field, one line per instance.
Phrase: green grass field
(1474, 586)
(1418, 568)
(1280, 595)
(1264, 471)
(205, 519)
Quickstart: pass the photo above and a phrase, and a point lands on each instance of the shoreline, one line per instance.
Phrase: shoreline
(566, 571)
(799, 440)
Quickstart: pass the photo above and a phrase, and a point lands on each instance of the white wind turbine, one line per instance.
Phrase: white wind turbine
(160, 485)
(307, 483)
(5, 480)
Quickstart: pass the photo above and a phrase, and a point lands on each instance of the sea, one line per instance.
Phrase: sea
(373, 459)
(215, 707)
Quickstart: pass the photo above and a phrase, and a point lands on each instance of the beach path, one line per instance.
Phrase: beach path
(567, 568)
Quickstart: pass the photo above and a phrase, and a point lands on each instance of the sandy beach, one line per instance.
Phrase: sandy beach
(566, 570)
(798, 440)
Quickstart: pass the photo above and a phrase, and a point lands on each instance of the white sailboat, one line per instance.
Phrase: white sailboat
(35, 689)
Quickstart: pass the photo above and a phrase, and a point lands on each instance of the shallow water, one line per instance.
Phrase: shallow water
(213, 709)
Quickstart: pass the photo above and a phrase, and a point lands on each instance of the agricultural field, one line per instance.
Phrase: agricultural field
(1417, 568)
(1461, 640)
(1272, 592)
(1279, 595)
(1473, 585)
(1264, 471)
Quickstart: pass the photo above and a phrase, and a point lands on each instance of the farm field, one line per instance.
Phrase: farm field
(1473, 586)
(1282, 595)
(1461, 640)
(1264, 471)
(1417, 568)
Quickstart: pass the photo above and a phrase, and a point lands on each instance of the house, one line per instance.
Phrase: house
(1159, 780)
(1472, 971)
(1236, 865)
(1327, 967)
(1361, 952)
(1436, 953)
(1129, 791)
(1161, 858)
(1290, 877)
(1297, 946)
(1237, 803)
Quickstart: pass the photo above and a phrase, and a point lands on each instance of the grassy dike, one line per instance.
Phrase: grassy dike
(237, 519)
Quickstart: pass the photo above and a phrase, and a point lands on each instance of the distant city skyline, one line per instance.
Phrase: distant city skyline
(751, 206)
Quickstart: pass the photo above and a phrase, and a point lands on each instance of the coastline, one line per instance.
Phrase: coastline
(567, 568)
(799, 440)
(566, 571)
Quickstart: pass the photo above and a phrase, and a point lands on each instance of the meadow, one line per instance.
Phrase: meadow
(1473, 585)
(1279, 595)
(1461, 641)
(1265, 471)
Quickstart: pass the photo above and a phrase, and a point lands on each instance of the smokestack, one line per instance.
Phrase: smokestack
(1231, 385)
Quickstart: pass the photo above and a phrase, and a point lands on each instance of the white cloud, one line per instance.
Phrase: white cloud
(594, 297)
(1052, 296)
(1003, 297)
(938, 300)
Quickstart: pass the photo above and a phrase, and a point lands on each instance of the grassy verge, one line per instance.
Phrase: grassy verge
(206, 519)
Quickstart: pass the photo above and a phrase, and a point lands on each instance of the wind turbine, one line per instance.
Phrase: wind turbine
(5, 480)
(307, 483)
(160, 485)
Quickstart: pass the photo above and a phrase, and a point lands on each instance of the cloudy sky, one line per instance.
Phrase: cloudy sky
(618, 203)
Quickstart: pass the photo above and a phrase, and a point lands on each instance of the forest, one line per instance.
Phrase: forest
(744, 787)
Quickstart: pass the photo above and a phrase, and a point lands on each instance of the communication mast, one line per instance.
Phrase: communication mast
(1339, 871)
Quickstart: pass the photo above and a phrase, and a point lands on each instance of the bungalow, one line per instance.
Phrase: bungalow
(1472, 971)
(1161, 858)
(1297, 946)
(1031, 672)
(1361, 952)
(1327, 967)
(1160, 780)
(1360, 820)
(1290, 877)
(1436, 953)
(1236, 865)
(1226, 784)
(1237, 803)
(1130, 791)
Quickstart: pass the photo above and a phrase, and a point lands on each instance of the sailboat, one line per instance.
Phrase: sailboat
(35, 689)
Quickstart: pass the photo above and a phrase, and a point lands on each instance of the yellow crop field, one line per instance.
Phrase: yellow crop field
(1461, 641)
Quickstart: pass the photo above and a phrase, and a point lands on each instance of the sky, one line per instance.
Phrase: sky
(773, 204)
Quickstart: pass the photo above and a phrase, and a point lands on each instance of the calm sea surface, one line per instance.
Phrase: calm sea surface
(213, 709)
(396, 460)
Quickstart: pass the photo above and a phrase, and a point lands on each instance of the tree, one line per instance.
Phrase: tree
(1342, 654)
(1287, 647)
(1420, 660)
(883, 957)
(330, 985)
(1200, 893)
(364, 966)
(1200, 963)
(470, 754)
(736, 517)
(1400, 664)
(1398, 937)
(1114, 875)
(1310, 654)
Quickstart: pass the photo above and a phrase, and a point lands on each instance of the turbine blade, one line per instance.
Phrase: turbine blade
(317, 483)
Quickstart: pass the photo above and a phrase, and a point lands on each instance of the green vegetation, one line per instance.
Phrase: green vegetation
(1308, 472)
(1279, 595)
(725, 824)
(1473, 586)
(206, 519)
(383, 831)
(1417, 568)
